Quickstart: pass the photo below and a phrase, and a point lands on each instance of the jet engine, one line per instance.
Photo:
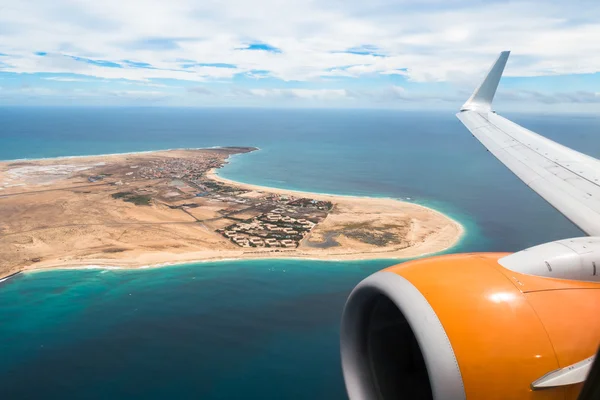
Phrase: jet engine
(466, 326)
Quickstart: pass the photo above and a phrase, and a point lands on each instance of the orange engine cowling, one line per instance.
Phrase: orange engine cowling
(462, 326)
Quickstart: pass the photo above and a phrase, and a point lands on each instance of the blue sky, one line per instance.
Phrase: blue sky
(279, 53)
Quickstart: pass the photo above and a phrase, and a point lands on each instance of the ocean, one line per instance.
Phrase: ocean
(248, 329)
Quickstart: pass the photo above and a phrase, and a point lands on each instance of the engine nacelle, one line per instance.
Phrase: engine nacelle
(463, 326)
(577, 258)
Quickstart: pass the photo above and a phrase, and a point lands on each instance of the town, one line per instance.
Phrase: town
(284, 226)
(247, 219)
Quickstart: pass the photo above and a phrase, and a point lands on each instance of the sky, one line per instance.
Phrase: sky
(426, 54)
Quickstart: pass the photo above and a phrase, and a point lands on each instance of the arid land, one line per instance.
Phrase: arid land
(169, 207)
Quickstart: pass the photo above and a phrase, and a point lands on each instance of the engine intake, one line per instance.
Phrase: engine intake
(393, 345)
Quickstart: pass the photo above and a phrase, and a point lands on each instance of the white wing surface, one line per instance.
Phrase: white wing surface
(567, 179)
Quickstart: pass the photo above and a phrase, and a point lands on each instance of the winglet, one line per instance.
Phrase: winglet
(481, 99)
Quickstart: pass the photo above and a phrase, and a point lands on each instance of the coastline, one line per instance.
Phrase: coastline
(139, 259)
(213, 174)
(199, 258)
(127, 153)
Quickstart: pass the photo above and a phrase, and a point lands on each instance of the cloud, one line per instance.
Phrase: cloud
(257, 74)
(215, 65)
(399, 95)
(65, 79)
(528, 96)
(389, 95)
(29, 93)
(157, 43)
(99, 63)
(201, 90)
(317, 94)
(364, 50)
(138, 64)
(141, 95)
(328, 45)
(429, 41)
(298, 94)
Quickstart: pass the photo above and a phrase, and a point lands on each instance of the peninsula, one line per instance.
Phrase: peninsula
(165, 207)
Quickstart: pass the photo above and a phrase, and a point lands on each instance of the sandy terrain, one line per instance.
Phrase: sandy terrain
(119, 211)
(423, 229)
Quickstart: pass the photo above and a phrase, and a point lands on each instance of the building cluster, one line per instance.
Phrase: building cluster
(273, 229)
(282, 221)
(178, 168)
(310, 203)
(300, 201)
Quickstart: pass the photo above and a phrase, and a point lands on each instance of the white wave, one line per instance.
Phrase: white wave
(106, 267)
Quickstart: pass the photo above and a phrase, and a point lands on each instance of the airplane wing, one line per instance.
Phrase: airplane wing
(567, 179)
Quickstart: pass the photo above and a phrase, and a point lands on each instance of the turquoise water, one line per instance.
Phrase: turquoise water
(251, 329)
(198, 331)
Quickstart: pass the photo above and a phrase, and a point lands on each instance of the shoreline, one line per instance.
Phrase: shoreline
(147, 260)
(127, 153)
(110, 263)
(213, 174)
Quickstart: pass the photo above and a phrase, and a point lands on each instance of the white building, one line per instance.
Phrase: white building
(272, 243)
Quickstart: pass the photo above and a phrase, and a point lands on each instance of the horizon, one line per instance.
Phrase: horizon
(441, 111)
(351, 55)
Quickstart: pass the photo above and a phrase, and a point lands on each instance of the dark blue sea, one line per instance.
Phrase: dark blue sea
(249, 329)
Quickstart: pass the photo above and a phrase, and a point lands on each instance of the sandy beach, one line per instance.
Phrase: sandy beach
(171, 207)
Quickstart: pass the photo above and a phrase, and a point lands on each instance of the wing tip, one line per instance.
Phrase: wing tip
(482, 97)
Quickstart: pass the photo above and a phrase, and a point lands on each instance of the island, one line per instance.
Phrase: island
(170, 207)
